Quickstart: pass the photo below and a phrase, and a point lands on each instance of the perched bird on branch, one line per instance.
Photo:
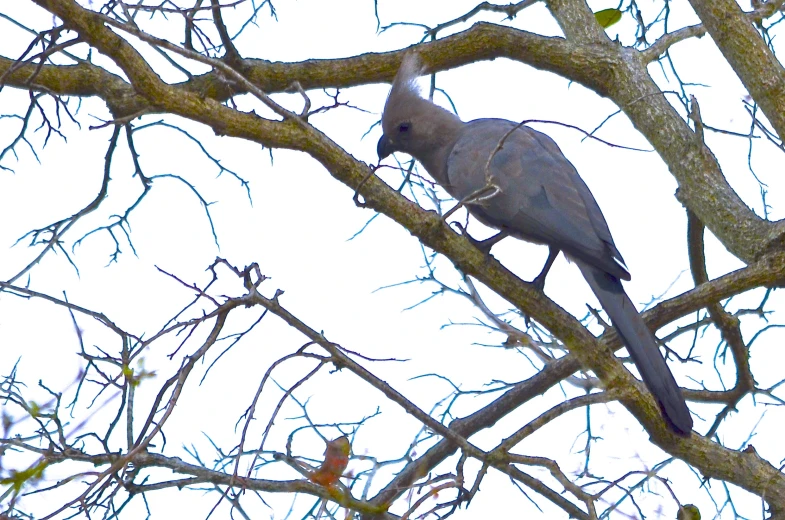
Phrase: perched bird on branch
(516, 179)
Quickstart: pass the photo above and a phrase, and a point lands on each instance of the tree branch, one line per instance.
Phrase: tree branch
(751, 59)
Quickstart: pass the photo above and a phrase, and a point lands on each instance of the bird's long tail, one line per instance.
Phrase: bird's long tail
(641, 345)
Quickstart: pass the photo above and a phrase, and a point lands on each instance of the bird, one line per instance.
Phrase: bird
(515, 179)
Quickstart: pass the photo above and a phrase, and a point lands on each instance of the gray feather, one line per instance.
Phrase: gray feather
(641, 345)
(538, 197)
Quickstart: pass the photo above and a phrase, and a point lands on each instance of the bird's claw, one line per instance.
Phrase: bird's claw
(483, 245)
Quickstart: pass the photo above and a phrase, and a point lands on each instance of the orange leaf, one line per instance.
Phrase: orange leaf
(336, 458)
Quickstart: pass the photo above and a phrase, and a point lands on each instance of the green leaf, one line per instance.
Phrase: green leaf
(689, 512)
(607, 17)
(18, 478)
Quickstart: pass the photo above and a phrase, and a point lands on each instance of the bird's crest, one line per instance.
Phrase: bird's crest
(404, 86)
(411, 69)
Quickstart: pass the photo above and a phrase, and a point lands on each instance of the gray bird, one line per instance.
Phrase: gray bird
(516, 179)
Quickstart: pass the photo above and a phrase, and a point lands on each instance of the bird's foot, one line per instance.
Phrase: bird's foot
(539, 282)
(483, 245)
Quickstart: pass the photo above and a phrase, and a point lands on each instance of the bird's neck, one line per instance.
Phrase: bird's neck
(445, 129)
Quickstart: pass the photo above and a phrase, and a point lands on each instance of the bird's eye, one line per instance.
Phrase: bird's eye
(403, 128)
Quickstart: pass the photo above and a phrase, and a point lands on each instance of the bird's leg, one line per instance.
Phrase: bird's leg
(483, 245)
(539, 282)
(486, 245)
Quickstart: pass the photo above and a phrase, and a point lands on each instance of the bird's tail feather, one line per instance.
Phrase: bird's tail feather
(641, 345)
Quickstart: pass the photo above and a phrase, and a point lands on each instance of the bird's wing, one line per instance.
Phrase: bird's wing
(541, 197)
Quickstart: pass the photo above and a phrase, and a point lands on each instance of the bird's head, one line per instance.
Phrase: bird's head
(410, 123)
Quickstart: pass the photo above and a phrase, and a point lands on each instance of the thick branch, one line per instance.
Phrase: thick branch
(728, 325)
(750, 57)
(577, 21)
(763, 272)
(609, 70)
(604, 68)
(667, 40)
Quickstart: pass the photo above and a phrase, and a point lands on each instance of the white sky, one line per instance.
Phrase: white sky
(298, 229)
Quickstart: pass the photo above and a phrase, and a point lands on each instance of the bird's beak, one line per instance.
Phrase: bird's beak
(384, 147)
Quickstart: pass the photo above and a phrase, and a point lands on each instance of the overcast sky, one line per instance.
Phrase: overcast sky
(299, 228)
